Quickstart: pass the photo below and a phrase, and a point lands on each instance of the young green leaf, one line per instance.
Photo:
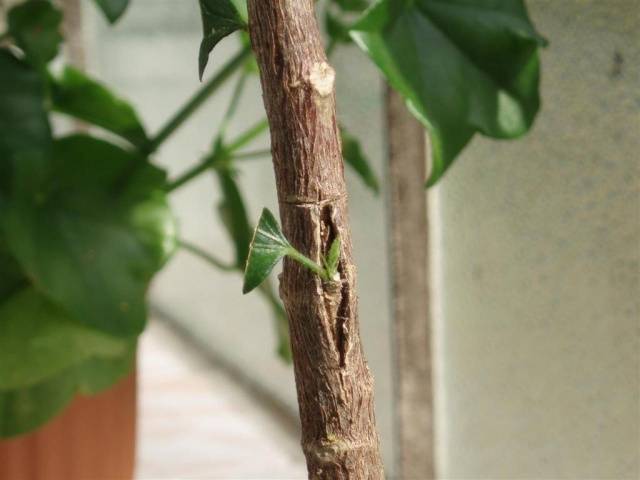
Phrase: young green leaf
(462, 66)
(267, 248)
(75, 94)
(112, 9)
(35, 26)
(332, 260)
(103, 219)
(219, 19)
(354, 157)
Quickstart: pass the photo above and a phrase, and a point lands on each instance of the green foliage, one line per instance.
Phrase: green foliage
(333, 259)
(75, 94)
(463, 66)
(26, 408)
(102, 217)
(35, 26)
(38, 339)
(219, 19)
(85, 222)
(355, 158)
(268, 247)
(233, 213)
(112, 9)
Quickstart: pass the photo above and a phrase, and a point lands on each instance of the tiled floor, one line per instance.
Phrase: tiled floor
(196, 423)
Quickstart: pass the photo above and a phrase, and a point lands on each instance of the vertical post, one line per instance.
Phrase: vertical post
(409, 238)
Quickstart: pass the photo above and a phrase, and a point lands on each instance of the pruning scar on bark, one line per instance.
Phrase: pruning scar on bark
(322, 78)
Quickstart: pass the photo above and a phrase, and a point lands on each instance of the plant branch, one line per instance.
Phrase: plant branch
(233, 105)
(197, 100)
(252, 155)
(248, 136)
(219, 154)
(207, 257)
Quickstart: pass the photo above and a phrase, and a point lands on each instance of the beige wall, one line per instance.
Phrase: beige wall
(538, 269)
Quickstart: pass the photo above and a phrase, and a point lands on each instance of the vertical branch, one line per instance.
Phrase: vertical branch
(73, 32)
(412, 317)
(334, 385)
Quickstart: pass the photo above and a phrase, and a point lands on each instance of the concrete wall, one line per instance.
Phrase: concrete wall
(538, 269)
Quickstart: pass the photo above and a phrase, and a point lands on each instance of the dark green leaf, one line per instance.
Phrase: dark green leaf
(241, 7)
(112, 9)
(35, 26)
(75, 94)
(219, 19)
(12, 277)
(234, 216)
(351, 5)
(38, 340)
(25, 136)
(25, 409)
(103, 220)
(267, 248)
(337, 29)
(463, 66)
(354, 157)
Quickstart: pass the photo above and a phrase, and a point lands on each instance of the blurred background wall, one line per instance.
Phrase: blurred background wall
(538, 262)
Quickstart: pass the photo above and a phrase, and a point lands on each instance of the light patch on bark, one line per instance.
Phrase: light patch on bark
(322, 78)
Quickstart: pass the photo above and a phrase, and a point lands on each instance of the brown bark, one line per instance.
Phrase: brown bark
(410, 273)
(334, 385)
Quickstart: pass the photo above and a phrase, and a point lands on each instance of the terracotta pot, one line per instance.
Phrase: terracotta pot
(93, 439)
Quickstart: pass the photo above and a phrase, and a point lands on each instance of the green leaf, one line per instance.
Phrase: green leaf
(241, 7)
(267, 248)
(75, 94)
(112, 9)
(39, 340)
(35, 26)
(12, 277)
(27, 408)
(352, 5)
(219, 19)
(234, 216)
(98, 373)
(103, 220)
(463, 66)
(354, 157)
(25, 136)
(333, 259)
(337, 29)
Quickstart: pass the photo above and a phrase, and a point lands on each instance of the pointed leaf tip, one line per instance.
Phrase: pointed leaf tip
(267, 248)
(219, 19)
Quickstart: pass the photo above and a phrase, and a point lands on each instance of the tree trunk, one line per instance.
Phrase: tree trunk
(410, 272)
(334, 385)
